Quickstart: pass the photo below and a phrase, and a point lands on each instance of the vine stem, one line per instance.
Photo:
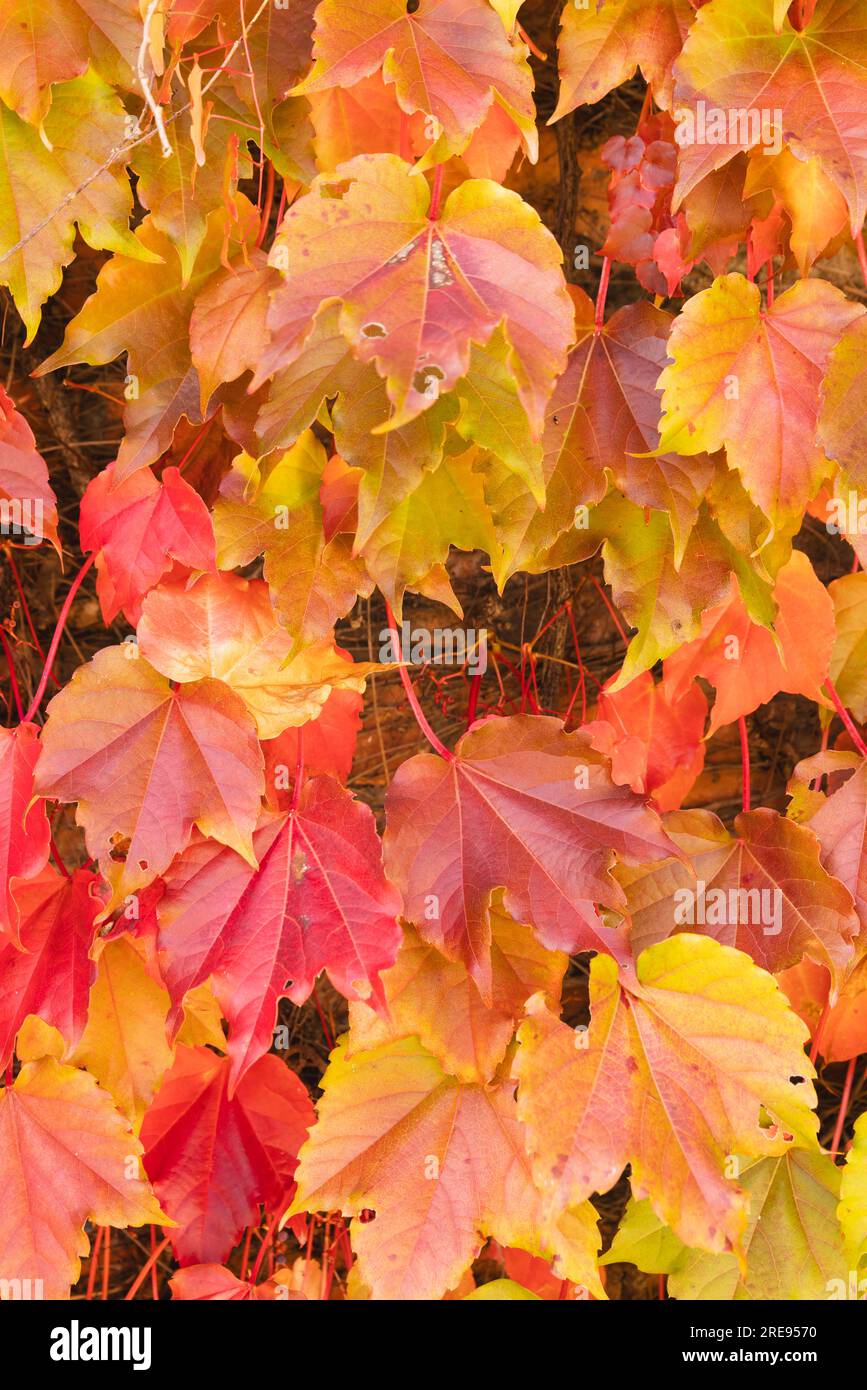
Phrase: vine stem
(745, 762)
(844, 1106)
(149, 1264)
(847, 719)
(260, 1254)
(13, 679)
(55, 641)
(436, 193)
(602, 294)
(433, 739)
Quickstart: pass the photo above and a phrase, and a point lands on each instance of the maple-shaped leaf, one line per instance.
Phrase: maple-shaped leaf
(224, 626)
(60, 1134)
(663, 597)
(38, 221)
(440, 1164)
(212, 1159)
(418, 291)
(435, 999)
(841, 825)
(521, 806)
(742, 660)
(42, 47)
(217, 1284)
(146, 763)
(24, 833)
(654, 741)
(747, 379)
(814, 205)
(228, 329)
(24, 485)
(853, 1199)
(842, 426)
(764, 890)
(318, 901)
(600, 46)
(449, 59)
(137, 528)
(50, 975)
(144, 310)
(408, 550)
(124, 1044)
(328, 743)
(838, 1028)
(849, 657)
(672, 1075)
(793, 1208)
(739, 84)
(276, 507)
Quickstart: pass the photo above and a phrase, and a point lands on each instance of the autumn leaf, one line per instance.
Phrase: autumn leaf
(838, 1029)
(849, 657)
(841, 415)
(217, 1284)
(40, 48)
(671, 1077)
(747, 664)
(600, 46)
(212, 1159)
(142, 308)
(446, 58)
(124, 1044)
(49, 975)
(276, 507)
(146, 763)
(435, 999)
(440, 1164)
(23, 824)
(654, 742)
(815, 206)
(328, 743)
(793, 1207)
(499, 815)
(228, 329)
(733, 61)
(61, 1134)
(417, 291)
(24, 483)
(137, 528)
(763, 890)
(841, 825)
(853, 1197)
(318, 901)
(224, 627)
(747, 378)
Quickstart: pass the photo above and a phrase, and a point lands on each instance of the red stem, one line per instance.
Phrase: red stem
(745, 761)
(266, 210)
(13, 680)
(433, 739)
(602, 293)
(847, 719)
(436, 193)
(25, 608)
(266, 1241)
(769, 283)
(94, 1256)
(472, 703)
(149, 1264)
(605, 599)
(844, 1106)
(55, 641)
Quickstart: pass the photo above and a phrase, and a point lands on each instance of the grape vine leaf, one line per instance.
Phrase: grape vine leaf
(212, 1159)
(41, 48)
(441, 1164)
(600, 46)
(853, 1197)
(24, 834)
(146, 762)
(24, 482)
(60, 1133)
(672, 1080)
(318, 901)
(499, 815)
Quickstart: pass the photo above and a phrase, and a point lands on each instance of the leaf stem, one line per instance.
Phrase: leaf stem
(745, 762)
(55, 641)
(149, 1264)
(844, 1106)
(602, 294)
(433, 739)
(13, 680)
(847, 719)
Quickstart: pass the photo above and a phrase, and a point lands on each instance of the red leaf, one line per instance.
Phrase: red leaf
(213, 1160)
(23, 827)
